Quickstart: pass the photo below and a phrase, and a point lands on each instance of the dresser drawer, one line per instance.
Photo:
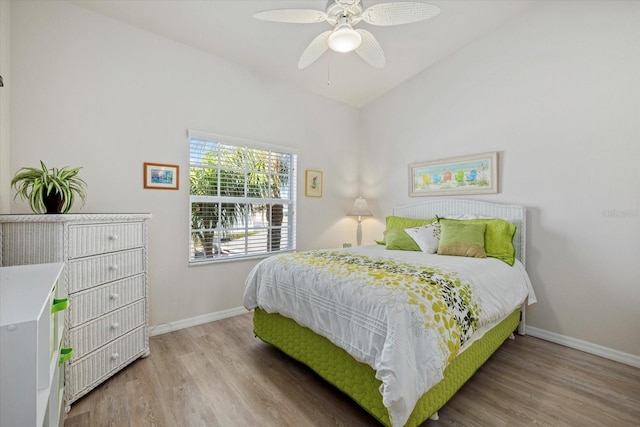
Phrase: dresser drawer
(94, 239)
(93, 303)
(86, 373)
(88, 272)
(97, 333)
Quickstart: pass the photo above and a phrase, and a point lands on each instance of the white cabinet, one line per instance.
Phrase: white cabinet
(31, 375)
(105, 277)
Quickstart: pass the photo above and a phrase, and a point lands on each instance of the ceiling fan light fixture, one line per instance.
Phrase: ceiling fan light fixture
(344, 38)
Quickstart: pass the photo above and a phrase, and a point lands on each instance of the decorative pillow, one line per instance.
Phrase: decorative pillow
(399, 240)
(498, 238)
(427, 237)
(462, 239)
(398, 222)
(456, 216)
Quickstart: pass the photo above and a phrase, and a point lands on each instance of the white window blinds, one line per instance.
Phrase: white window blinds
(242, 200)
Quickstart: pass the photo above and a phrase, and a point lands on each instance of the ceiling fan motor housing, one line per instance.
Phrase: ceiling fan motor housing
(336, 9)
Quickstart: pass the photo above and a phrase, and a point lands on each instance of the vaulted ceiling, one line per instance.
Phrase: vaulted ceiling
(228, 29)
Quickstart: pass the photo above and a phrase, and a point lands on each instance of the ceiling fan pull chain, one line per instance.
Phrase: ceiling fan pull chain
(329, 69)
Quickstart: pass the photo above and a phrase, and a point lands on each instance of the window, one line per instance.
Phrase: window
(242, 199)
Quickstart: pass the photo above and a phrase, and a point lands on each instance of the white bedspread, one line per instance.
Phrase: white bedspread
(385, 321)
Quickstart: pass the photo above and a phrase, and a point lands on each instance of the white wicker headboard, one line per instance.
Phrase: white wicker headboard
(516, 214)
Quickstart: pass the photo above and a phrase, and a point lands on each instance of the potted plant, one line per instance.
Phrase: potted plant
(49, 190)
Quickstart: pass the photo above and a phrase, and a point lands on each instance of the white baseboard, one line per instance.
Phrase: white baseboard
(587, 347)
(163, 328)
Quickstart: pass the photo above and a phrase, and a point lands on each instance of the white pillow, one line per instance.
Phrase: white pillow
(427, 237)
(464, 216)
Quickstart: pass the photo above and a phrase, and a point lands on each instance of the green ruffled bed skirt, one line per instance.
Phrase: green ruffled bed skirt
(357, 379)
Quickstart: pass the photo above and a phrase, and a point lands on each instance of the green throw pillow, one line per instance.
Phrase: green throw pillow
(460, 239)
(498, 238)
(398, 222)
(399, 240)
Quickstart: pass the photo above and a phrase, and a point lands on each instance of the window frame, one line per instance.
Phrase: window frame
(288, 202)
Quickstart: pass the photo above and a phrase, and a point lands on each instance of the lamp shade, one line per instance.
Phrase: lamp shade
(359, 208)
(344, 38)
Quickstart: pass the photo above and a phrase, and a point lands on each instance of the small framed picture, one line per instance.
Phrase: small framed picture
(158, 176)
(313, 183)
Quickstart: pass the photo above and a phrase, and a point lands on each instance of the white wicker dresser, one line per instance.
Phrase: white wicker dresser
(105, 277)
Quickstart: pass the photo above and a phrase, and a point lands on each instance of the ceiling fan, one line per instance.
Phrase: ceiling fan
(343, 15)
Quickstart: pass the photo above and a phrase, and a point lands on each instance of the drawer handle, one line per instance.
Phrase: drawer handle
(59, 305)
(66, 354)
(115, 325)
(113, 267)
(114, 295)
(114, 356)
(113, 237)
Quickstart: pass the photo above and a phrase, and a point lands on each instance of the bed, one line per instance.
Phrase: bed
(399, 331)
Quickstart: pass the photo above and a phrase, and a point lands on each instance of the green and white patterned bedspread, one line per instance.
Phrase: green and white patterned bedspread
(406, 314)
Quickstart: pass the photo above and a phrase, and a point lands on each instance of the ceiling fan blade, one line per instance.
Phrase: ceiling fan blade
(370, 49)
(293, 16)
(316, 48)
(397, 13)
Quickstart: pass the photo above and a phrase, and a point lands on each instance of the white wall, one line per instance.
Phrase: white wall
(557, 92)
(90, 91)
(5, 116)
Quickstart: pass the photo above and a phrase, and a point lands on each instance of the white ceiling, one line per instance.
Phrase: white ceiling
(227, 29)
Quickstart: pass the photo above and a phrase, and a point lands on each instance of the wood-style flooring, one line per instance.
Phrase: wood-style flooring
(219, 374)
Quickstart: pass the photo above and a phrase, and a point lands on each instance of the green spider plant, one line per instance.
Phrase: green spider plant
(49, 190)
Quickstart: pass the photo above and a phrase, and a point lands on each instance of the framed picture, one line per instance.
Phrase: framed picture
(161, 177)
(313, 183)
(475, 174)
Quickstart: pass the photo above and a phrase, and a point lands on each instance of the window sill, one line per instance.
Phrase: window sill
(233, 258)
